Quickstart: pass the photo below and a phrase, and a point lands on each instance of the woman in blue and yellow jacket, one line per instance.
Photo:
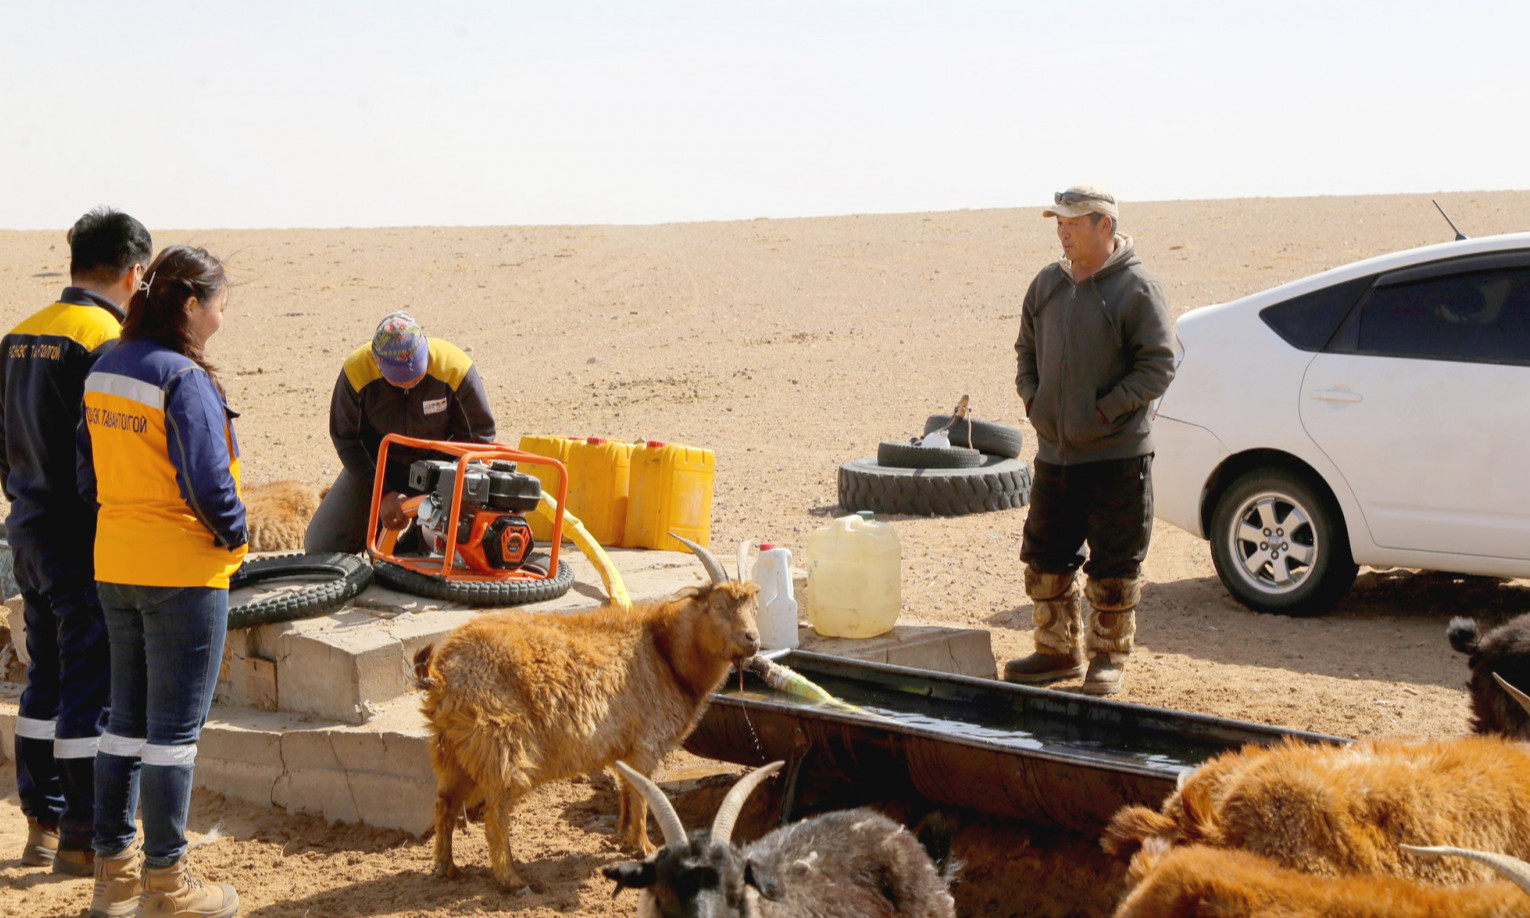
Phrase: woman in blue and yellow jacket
(157, 451)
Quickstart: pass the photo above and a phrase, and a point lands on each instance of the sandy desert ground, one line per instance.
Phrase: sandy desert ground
(788, 346)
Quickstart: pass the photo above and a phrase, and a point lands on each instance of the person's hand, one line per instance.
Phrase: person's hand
(391, 511)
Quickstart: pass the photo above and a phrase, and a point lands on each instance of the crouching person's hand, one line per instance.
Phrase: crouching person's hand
(391, 511)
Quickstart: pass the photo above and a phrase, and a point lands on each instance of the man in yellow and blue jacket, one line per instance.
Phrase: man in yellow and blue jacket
(403, 383)
(43, 364)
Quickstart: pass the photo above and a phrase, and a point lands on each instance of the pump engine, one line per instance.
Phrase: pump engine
(492, 532)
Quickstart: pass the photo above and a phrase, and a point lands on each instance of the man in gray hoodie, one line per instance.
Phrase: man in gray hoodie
(1095, 349)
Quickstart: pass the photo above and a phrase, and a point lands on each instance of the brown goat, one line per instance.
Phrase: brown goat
(1203, 882)
(517, 699)
(1333, 811)
(278, 513)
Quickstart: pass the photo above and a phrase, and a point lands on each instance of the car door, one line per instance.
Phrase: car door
(1422, 400)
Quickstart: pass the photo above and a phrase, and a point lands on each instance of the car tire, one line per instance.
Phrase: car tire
(1308, 571)
(329, 580)
(983, 436)
(997, 484)
(894, 455)
(479, 592)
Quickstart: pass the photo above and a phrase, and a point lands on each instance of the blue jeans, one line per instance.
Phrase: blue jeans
(167, 645)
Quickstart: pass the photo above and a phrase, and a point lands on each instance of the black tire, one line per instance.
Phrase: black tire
(983, 436)
(478, 592)
(1280, 545)
(342, 578)
(997, 484)
(894, 455)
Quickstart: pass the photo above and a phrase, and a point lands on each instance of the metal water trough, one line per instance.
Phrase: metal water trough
(1033, 754)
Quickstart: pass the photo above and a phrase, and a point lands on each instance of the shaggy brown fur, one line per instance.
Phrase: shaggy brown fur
(517, 699)
(1202, 882)
(278, 513)
(1332, 810)
(1504, 650)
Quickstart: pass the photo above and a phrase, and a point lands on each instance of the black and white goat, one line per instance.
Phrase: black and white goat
(846, 864)
(1504, 652)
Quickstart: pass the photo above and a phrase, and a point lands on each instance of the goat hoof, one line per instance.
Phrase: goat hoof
(445, 871)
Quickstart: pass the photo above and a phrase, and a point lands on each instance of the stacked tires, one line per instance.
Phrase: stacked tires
(981, 471)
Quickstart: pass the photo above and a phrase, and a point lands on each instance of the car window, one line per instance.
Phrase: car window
(1307, 322)
(1481, 316)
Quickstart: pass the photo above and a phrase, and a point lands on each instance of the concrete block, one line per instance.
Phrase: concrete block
(260, 683)
(341, 666)
(10, 704)
(16, 621)
(963, 651)
(239, 762)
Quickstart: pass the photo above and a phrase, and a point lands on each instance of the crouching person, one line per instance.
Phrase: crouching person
(402, 383)
(157, 452)
(1095, 349)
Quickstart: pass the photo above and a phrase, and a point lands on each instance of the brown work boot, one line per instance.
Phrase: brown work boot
(173, 892)
(42, 844)
(1042, 667)
(75, 863)
(118, 880)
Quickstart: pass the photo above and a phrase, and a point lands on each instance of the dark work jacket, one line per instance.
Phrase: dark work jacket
(1101, 347)
(448, 404)
(43, 365)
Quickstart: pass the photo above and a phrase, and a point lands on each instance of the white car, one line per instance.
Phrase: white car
(1377, 413)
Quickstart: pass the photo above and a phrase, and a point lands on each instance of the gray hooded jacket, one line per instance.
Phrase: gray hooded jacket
(1101, 347)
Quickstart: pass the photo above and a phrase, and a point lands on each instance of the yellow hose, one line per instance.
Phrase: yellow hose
(575, 530)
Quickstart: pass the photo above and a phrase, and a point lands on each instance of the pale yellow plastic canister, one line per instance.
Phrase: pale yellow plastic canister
(554, 448)
(598, 483)
(670, 490)
(854, 577)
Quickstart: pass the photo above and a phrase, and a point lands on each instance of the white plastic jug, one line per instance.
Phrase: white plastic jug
(854, 584)
(778, 601)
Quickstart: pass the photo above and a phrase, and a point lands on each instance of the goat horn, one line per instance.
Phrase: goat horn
(663, 810)
(714, 567)
(1513, 868)
(743, 561)
(733, 804)
(1516, 694)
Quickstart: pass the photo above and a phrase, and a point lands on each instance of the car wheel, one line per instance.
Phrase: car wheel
(1279, 544)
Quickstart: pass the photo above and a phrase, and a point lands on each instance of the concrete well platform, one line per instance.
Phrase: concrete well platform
(342, 666)
(318, 716)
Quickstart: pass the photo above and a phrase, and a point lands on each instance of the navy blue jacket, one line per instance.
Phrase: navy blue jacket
(43, 364)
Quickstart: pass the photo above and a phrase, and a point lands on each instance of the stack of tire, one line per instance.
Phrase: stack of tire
(980, 471)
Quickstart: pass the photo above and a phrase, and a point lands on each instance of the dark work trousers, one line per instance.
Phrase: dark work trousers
(340, 523)
(1107, 506)
(68, 682)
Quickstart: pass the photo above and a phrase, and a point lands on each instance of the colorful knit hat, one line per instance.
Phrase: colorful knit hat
(400, 348)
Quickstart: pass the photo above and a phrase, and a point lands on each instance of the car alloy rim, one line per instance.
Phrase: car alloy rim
(1274, 542)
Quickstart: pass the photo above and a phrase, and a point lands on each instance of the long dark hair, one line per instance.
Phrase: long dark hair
(157, 310)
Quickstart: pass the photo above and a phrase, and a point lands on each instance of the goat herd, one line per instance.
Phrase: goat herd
(515, 700)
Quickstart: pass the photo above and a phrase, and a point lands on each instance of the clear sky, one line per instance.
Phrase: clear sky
(270, 113)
